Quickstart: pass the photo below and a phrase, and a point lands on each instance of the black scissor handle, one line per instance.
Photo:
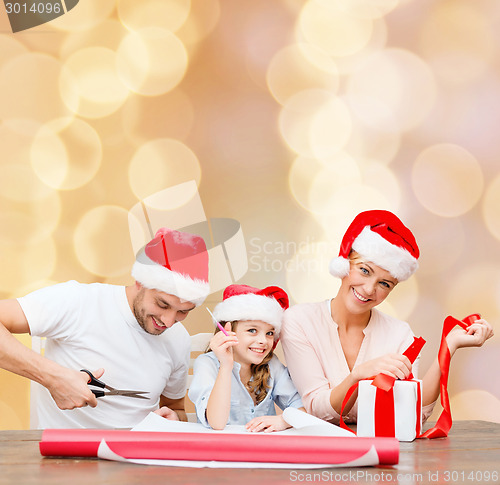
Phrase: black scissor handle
(97, 393)
(93, 380)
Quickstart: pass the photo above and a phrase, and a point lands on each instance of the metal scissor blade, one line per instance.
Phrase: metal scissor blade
(127, 394)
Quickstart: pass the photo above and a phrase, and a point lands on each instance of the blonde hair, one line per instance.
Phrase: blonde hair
(259, 373)
(355, 257)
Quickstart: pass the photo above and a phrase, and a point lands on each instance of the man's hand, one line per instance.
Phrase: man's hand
(167, 413)
(69, 389)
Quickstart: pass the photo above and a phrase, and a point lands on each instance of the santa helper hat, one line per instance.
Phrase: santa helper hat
(380, 237)
(242, 302)
(176, 263)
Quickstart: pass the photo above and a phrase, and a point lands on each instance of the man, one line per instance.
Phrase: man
(131, 334)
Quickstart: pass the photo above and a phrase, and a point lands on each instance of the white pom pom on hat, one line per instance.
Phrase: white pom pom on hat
(176, 263)
(242, 302)
(378, 236)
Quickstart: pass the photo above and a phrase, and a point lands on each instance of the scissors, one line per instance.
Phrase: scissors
(111, 391)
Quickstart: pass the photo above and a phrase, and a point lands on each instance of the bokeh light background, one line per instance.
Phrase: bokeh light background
(291, 116)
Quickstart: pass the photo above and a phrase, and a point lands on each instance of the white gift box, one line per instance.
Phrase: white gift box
(407, 409)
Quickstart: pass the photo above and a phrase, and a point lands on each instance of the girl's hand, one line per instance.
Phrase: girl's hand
(222, 346)
(394, 365)
(267, 424)
(475, 336)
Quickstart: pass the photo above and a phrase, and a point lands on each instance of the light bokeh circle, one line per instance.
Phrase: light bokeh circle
(84, 16)
(457, 37)
(203, 17)
(491, 207)
(18, 182)
(66, 155)
(336, 173)
(402, 300)
(166, 14)
(473, 289)
(307, 276)
(10, 48)
(23, 263)
(330, 128)
(367, 8)
(350, 64)
(345, 203)
(107, 34)
(433, 234)
(399, 84)
(91, 86)
(447, 180)
(162, 163)
(152, 61)
(300, 177)
(368, 142)
(39, 100)
(333, 30)
(475, 404)
(315, 123)
(291, 71)
(101, 241)
(29, 223)
(140, 117)
(382, 179)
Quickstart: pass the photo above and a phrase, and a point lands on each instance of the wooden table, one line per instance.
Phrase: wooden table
(471, 454)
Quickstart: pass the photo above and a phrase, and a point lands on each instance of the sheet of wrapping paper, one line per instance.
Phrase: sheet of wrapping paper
(331, 446)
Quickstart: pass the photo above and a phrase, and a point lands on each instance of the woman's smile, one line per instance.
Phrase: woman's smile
(359, 296)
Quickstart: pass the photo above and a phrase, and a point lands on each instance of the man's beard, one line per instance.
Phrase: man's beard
(140, 315)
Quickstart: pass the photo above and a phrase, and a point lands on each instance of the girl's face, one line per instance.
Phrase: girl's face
(255, 341)
(366, 286)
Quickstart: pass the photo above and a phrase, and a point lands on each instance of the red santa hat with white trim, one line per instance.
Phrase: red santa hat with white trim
(242, 302)
(380, 237)
(176, 263)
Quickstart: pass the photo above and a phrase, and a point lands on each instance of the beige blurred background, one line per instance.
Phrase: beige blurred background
(291, 116)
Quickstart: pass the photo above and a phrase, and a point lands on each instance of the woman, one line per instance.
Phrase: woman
(332, 345)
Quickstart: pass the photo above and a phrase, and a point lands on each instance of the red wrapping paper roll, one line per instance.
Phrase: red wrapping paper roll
(218, 446)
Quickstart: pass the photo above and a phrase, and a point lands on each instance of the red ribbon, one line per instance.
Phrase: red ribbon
(384, 413)
(385, 383)
(443, 424)
(384, 398)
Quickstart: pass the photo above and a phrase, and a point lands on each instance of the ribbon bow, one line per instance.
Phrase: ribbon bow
(385, 384)
(384, 402)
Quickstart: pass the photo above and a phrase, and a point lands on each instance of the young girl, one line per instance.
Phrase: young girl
(331, 345)
(240, 380)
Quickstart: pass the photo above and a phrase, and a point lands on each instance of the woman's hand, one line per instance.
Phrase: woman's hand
(474, 336)
(267, 424)
(222, 346)
(394, 365)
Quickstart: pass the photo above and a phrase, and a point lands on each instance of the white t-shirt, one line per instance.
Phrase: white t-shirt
(89, 326)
